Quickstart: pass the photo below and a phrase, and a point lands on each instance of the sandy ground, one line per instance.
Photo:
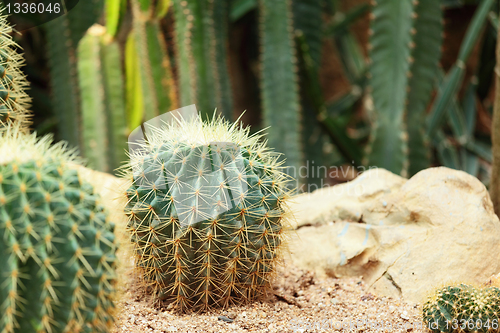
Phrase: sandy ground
(301, 303)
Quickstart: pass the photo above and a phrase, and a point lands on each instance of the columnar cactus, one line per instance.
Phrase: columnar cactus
(13, 98)
(463, 308)
(206, 213)
(57, 247)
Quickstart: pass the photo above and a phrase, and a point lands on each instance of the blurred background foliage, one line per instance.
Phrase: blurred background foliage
(344, 84)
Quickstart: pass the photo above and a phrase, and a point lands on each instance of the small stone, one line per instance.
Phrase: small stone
(225, 319)
(391, 308)
(404, 315)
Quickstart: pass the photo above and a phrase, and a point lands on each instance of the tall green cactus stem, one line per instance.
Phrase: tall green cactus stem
(102, 100)
(390, 50)
(63, 35)
(14, 100)
(57, 257)
(425, 55)
(218, 13)
(463, 308)
(206, 212)
(279, 77)
(201, 39)
(156, 78)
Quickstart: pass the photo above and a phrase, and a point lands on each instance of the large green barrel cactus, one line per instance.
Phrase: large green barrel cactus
(206, 213)
(57, 247)
(13, 97)
(463, 308)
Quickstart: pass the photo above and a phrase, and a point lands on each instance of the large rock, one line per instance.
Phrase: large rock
(403, 236)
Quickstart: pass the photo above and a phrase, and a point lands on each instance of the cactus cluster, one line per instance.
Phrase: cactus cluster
(13, 98)
(57, 252)
(463, 308)
(206, 213)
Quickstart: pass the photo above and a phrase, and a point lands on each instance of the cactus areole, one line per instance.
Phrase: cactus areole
(206, 213)
(57, 247)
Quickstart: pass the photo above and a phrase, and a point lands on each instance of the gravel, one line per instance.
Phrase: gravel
(300, 302)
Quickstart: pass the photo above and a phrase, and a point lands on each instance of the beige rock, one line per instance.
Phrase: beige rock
(403, 237)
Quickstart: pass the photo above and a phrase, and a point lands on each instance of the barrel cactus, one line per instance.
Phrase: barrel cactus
(57, 247)
(13, 98)
(207, 213)
(463, 308)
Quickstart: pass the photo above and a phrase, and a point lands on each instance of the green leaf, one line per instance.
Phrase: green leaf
(480, 149)
(342, 21)
(351, 55)
(447, 91)
(447, 153)
(345, 103)
(240, 8)
(473, 30)
(470, 109)
(470, 162)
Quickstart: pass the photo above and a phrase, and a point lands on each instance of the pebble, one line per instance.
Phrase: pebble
(404, 315)
(226, 319)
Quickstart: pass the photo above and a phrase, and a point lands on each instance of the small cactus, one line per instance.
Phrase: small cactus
(206, 213)
(463, 308)
(57, 248)
(13, 98)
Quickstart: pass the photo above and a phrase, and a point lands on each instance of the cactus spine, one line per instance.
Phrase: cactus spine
(463, 308)
(57, 252)
(13, 98)
(206, 213)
